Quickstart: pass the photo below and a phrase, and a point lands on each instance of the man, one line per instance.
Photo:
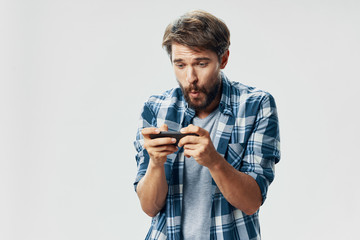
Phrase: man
(209, 186)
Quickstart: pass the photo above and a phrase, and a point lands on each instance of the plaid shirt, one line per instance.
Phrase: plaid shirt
(248, 138)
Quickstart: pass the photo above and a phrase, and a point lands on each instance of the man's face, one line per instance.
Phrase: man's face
(198, 74)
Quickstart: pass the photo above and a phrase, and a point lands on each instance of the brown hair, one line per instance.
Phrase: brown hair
(198, 30)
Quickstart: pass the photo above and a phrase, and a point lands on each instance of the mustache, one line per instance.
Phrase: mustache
(195, 88)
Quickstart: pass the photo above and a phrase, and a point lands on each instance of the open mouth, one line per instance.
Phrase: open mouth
(194, 94)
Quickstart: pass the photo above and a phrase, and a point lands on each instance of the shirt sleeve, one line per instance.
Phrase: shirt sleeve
(262, 151)
(147, 119)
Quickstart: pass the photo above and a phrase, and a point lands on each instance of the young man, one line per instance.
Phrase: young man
(211, 185)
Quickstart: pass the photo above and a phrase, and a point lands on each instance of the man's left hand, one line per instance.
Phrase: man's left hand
(199, 147)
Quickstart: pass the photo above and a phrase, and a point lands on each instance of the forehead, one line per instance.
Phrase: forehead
(183, 52)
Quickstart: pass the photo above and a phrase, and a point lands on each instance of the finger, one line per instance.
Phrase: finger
(166, 149)
(191, 146)
(186, 129)
(188, 153)
(147, 131)
(188, 140)
(162, 151)
(161, 141)
(194, 129)
(164, 127)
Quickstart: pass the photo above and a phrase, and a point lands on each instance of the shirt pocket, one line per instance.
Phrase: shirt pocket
(235, 154)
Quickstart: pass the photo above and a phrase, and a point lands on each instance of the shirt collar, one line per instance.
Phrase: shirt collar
(225, 102)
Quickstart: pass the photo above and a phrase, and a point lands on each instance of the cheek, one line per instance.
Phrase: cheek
(181, 77)
(209, 77)
(178, 73)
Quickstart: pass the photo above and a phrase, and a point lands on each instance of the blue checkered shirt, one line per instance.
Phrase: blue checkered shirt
(247, 137)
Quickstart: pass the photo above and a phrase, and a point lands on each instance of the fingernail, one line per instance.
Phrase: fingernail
(182, 130)
(173, 140)
(157, 130)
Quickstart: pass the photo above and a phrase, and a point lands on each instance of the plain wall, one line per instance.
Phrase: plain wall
(74, 75)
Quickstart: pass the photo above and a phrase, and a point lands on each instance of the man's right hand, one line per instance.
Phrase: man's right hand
(158, 148)
(152, 188)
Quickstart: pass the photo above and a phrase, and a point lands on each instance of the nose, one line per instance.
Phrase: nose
(191, 76)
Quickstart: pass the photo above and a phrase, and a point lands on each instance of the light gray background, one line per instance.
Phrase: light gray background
(74, 76)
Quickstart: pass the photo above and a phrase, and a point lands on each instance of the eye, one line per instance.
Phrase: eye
(179, 65)
(202, 64)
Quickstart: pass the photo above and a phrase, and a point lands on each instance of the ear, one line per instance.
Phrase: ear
(224, 59)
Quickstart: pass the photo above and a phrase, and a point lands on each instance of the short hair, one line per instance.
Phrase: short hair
(198, 30)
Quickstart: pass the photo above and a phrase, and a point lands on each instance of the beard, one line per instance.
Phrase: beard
(198, 104)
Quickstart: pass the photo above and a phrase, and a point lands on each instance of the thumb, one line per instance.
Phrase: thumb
(164, 127)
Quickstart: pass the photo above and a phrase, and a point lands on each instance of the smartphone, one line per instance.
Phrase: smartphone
(176, 135)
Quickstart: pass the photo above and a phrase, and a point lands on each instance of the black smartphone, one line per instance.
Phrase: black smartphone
(176, 135)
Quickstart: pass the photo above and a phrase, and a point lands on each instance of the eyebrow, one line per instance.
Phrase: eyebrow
(197, 59)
